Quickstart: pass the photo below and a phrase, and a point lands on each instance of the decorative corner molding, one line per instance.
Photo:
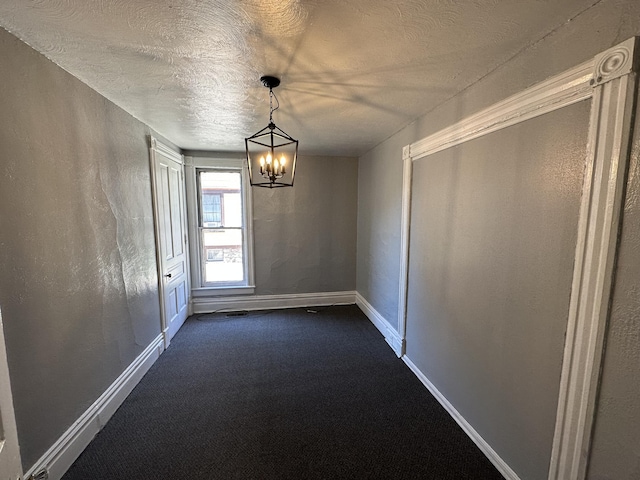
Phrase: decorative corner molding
(406, 152)
(163, 149)
(615, 62)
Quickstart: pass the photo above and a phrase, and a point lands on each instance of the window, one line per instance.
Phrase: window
(220, 225)
(222, 231)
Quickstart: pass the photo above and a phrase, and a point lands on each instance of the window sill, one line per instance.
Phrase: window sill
(221, 291)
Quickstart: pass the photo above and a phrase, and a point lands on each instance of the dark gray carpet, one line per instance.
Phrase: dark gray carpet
(281, 395)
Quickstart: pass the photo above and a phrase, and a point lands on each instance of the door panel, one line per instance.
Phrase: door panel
(176, 202)
(10, 464)
(171, 222)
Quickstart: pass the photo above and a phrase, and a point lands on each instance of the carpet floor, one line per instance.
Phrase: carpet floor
(284, 394)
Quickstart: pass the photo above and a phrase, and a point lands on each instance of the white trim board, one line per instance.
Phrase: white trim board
(405, 231)
(270, 302)
(614, 90)
(391, 336)
(609, 80)
(489, 452)
(557, 92)
(57, 460)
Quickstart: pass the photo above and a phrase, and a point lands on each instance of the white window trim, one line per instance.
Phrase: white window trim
(222, 161)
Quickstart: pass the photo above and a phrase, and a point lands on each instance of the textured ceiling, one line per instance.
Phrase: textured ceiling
(353, 72)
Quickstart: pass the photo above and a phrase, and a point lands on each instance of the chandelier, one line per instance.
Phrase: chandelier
(271, 153)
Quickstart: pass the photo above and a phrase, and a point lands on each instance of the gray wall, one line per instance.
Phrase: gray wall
(379, 212)
(78, 285)
(78, 291)
(493, 235)
(305, 236)
(604, 25)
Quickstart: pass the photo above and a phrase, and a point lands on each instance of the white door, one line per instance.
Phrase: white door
(169, 203)
(10, 465)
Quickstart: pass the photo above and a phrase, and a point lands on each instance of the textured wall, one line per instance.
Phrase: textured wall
(600, 27)
(305, 236)
(378, 266)
(78, 287)
(493, 234)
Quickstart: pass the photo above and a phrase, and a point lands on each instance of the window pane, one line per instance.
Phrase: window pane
(222, 255)
(211, 210)
(220, 199)
(233, 210)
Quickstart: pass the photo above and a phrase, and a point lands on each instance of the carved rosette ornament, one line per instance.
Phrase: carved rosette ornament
(614, 63)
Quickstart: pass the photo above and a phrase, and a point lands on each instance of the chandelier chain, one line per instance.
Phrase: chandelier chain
(271, 109)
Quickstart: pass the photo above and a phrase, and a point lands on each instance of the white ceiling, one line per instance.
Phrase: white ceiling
(353, 72)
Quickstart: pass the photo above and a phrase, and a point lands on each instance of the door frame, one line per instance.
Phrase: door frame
(10, 442)
(156, 147)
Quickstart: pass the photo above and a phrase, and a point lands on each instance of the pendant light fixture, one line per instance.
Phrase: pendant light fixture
(271, 153)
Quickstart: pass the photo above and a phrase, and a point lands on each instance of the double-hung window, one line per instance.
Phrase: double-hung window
(220, 196)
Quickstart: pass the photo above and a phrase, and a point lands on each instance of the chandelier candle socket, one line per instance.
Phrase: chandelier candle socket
(271, 151)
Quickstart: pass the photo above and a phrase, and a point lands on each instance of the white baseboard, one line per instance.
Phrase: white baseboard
(268, 302)
(57, 460)
(489, 452)
(389, 333)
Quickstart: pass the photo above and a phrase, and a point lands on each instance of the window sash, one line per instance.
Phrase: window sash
(211, 222)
